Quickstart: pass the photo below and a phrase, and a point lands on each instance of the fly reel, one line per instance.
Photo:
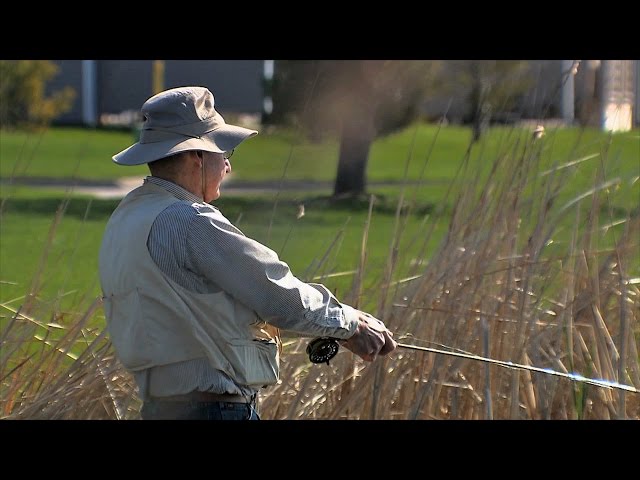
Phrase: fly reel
(323, 349)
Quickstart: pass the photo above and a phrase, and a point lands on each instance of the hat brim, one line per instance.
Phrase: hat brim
(222, 139)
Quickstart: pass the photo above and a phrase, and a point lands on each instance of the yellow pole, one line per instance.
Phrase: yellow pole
(157, 83)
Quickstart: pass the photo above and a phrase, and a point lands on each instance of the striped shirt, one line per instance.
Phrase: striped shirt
(198, 248)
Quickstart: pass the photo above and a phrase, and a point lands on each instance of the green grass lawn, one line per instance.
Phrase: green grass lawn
(86, 153)
(65, 264)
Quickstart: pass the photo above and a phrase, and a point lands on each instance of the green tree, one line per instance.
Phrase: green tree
(22, 94)
(357, 100)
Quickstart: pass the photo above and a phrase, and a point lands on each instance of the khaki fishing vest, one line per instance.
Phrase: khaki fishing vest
(154, 321)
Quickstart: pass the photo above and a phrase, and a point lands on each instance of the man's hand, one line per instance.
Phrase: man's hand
(372, 338)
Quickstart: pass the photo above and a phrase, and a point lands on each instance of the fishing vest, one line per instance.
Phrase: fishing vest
(154, 321)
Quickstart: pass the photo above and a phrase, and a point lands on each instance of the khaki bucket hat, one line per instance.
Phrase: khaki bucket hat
(181, 119)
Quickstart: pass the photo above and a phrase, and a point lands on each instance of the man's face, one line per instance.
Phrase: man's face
(216, 167)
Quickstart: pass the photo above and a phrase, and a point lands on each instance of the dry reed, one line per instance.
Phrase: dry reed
(494, 288)
(499, 285)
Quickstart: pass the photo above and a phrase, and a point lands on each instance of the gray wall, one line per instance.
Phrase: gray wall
(238, 87)
(545, 97)
(236, 84)
(69, 74)
(125, 84)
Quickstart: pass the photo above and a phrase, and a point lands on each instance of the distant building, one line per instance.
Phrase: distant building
(618, 94)
(598, 93)
(604, 93)
(110, 91)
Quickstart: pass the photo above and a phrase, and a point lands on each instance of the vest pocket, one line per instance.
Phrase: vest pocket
(258, 362)
(126, 324)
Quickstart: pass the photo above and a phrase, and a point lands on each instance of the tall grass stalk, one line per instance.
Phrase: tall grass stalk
(504, 254)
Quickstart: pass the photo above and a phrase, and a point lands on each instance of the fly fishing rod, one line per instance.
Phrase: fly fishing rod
(323, 349)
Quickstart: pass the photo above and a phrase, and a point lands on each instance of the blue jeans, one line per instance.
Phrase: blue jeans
(193, 410)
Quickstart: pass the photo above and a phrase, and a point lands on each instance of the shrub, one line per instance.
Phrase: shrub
(22, 94)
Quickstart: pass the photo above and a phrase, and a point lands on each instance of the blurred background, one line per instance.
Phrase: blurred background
(603, 93)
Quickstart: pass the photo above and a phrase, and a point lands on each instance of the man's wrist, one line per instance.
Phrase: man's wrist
(351, 320)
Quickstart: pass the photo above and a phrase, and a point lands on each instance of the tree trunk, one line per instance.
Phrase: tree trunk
(480, 110)
(356, 137)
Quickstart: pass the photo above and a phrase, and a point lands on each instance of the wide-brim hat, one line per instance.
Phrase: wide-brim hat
(181, 119)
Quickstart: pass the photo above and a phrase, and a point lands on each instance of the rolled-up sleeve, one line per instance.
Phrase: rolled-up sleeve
(254, 275)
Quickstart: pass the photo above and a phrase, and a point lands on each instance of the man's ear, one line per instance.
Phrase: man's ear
(200, 156)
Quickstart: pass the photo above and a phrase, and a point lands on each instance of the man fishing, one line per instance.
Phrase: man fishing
(193, 306)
